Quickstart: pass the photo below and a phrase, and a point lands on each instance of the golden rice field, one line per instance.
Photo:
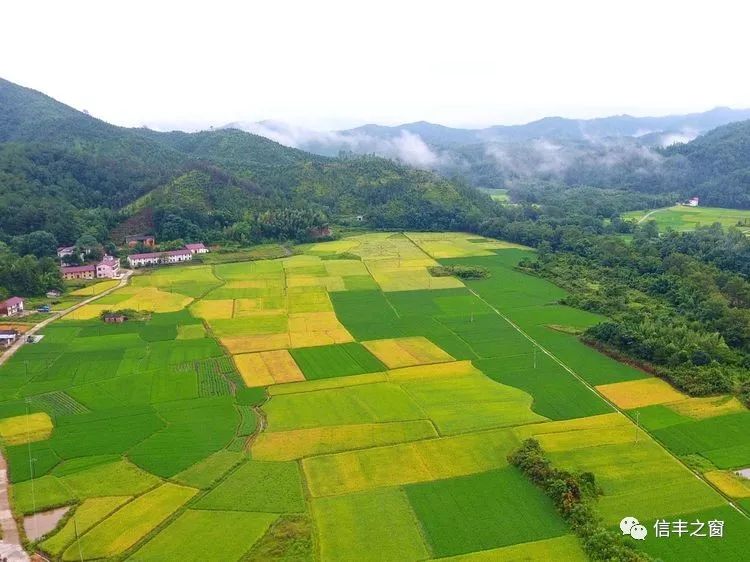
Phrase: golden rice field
(639, 393)
(407, 352)
(25, 429)
(330, 407)
(95, 289)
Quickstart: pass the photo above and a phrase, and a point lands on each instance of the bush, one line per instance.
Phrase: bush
(460, 271)
(574, 494)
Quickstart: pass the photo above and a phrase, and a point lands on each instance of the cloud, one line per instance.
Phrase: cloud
(406, 147)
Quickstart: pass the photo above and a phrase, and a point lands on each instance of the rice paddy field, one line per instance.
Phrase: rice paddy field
(343, 404)
(683, 218)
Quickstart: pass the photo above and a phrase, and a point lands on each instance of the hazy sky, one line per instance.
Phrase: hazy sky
(331, 64)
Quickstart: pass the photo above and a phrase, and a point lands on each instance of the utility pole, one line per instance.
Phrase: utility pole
(637, 424)
(31, 469)
(535, 358)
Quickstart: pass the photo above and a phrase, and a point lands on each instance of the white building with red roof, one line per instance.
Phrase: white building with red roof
(197, 248)
(11, 307)
(155, 258)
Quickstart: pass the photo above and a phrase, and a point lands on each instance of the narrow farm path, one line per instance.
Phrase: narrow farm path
(10, 545)
(592, 389)
(647, 215)
(16, 346)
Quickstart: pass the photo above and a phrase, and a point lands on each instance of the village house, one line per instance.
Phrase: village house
(197, 248)
(176, 256)
(8, 337)
(693, 202)
(78, 272)
(145, 239)
(114, 318)
(53, 294)
(64, 251)
(11, 307)
(155, 258)
(108, 268)
(141, 260)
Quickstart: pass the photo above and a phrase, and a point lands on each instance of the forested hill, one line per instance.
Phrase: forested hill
(66, 173)
(718, 165)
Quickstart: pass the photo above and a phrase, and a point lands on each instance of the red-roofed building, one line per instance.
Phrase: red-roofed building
(11, 307)
(78, 272)
(197, 248)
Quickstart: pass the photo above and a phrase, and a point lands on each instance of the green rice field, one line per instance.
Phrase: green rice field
(683, 218)
(307, 407)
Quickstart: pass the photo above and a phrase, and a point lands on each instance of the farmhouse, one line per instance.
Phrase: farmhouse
(145, 239)
(197, 248)
(8, 337)
(114, 318)
(174, 256)
(53, 294)
(11, 307)
(108, 268)
(693, 202)
(78, 272)
(63, 251)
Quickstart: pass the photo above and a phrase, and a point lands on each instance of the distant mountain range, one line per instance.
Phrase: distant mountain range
(651, 131)
(617, 151)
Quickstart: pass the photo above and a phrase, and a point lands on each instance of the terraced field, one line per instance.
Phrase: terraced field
(343, 404)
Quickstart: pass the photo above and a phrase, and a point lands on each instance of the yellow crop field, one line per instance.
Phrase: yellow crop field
(267, 368)
(311, 339)
(253, 370)
(406, 463)
(707, 407)
(95, 289)
(139, 298)
(435, 371)
(87, 312)
(730, 483)
(281, 366)
(25, 429)
(325, 384)
(120, 531)
(406, 352)
(250, 344)
(247, 307)
(296, 444)
(345, 268)
(604, 421)
(456, 244)
(561, 549)
(213, 310)
(641, 392)
(333, 247)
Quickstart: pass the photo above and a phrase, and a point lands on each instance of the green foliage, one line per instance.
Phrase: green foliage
(460, 271)
(574, 495)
